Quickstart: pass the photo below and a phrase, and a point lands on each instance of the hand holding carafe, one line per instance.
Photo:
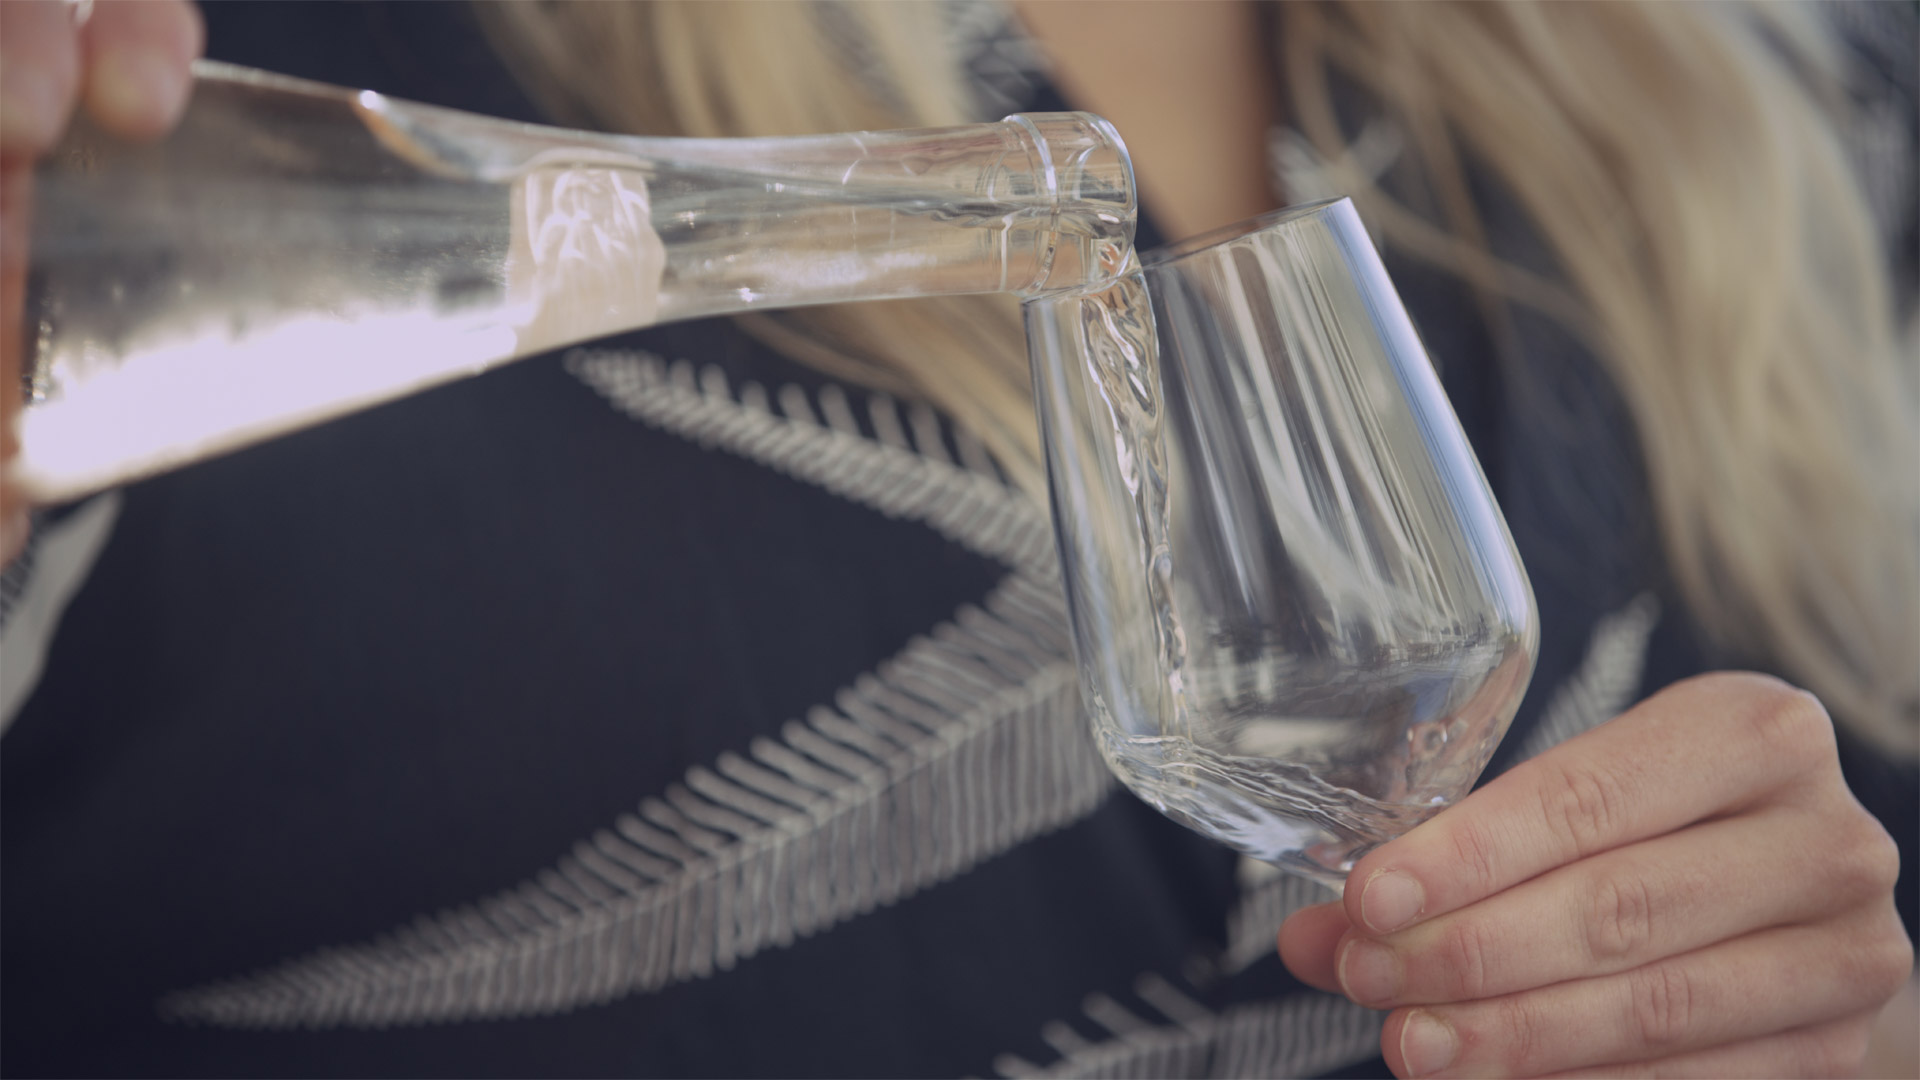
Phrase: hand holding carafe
(128, 63)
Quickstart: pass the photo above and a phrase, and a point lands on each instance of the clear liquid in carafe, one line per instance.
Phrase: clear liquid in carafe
(293, 252)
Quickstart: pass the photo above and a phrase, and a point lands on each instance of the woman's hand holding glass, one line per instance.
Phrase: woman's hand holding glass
(130, 62)
(1689, 890)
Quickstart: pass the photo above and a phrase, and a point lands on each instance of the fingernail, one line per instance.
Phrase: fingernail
(136, 87)
(1369, 972)
(1391, 900)
(1427, 1044)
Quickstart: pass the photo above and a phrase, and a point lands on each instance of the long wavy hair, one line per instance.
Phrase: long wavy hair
(1681, 161)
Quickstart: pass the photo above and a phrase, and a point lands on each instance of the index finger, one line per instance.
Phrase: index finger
(39, 73)
(1697, 749)
(139, 63)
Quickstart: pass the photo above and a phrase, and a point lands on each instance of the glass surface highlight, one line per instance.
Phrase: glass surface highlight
(1301, 625)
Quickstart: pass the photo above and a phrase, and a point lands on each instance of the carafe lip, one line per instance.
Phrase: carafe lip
(1147, 261)
(1225, 234)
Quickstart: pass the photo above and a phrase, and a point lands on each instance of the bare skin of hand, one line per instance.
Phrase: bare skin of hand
(130, 63)
(1688, 890)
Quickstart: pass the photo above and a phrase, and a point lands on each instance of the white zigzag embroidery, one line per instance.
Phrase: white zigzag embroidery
(1255, 921)
(1607, 680)
(964, 744)
(1299, 1036)
(1600, 688)
(969, 506)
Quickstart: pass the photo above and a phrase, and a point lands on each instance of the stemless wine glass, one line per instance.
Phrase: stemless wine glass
(1301, 625)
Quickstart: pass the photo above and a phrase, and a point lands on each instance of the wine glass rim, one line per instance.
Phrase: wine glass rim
(1226, 234)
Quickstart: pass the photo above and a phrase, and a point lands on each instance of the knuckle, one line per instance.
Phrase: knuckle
(1662, 1003)
(1794, 723)
(1863, 861)
(1836, 1052)
(1519, 1035)
(1867, 965)
(1583, 806)
(1886, 963)
(1854, 1043)
(1464, 954)
(1473, 853)
(1619, 921)
(1820, 1056)
(1881, 856)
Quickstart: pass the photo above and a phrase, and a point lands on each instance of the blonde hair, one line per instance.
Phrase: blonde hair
(700, 68)
(1679, 159)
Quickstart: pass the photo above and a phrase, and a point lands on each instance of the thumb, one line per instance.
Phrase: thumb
(1307, 943)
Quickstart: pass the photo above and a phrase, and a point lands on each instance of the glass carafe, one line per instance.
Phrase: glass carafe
(295, 251)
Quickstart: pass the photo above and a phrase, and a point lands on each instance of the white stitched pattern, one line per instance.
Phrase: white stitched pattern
(965, 743)
(1255, 920)
(36, 589)
(965, 505)
(1298, 1036)
(1606, 681)
(1113, 1016)
(927, 436)
(14, 576)
(834, 406)
(736, 859)
(886, 422)
(973, 454)
(1064, 1040)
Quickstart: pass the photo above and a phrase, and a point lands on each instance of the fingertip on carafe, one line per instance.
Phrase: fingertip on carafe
(138, 92)
(139, 65)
